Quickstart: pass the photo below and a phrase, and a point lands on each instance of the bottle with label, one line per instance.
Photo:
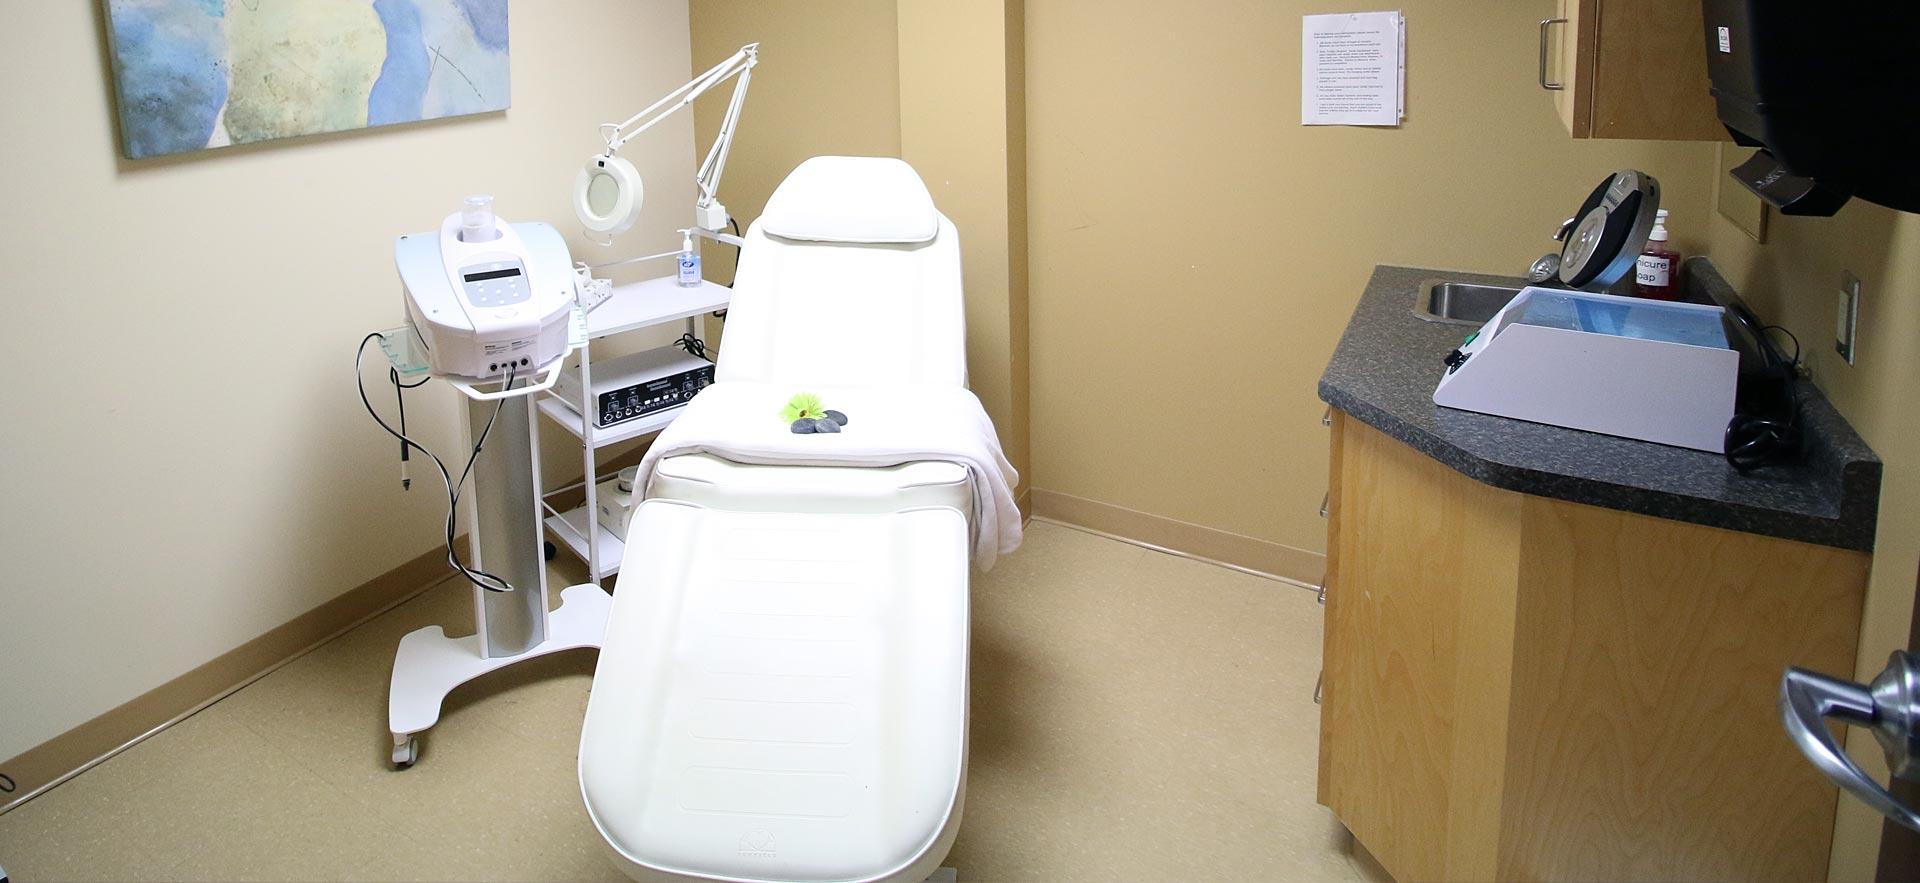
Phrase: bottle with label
(1657, 274)
(689, 263)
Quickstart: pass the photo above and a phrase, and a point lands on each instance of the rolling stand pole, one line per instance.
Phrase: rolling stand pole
(504, 529)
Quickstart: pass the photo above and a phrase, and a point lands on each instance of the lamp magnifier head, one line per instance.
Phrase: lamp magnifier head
(608, 194)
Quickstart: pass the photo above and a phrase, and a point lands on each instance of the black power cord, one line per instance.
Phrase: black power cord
(475, 576)
(693, 345)
(1793, 364)
(400, 401)
(1767, 428)
(736, 252)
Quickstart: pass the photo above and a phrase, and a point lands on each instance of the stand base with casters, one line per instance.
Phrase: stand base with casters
(429, 664)
(505, 537)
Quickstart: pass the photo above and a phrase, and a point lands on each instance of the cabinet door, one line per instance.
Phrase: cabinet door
(1632, 69)
(1417, 653)
(1567, 66)
(1336, 421)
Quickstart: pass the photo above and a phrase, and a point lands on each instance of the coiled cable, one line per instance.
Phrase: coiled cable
(475, 576)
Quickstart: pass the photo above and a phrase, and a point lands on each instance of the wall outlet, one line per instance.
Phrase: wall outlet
(1846, 315)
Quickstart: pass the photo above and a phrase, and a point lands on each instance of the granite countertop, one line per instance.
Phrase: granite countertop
(1385, 368)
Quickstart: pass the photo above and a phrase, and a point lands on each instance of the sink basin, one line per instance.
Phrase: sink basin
(1459, 303)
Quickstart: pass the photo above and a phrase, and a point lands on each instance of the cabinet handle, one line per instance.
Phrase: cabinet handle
(1546, 24)
(1324, 500)
(1319, 683)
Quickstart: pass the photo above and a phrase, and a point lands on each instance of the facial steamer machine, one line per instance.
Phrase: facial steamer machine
(491, 306)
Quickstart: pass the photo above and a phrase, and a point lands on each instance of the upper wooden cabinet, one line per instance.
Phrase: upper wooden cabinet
(1630, 69)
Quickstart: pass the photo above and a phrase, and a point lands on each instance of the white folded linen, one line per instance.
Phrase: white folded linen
(886, 426)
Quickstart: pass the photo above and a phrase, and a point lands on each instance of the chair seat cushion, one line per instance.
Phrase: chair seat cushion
(781, 696)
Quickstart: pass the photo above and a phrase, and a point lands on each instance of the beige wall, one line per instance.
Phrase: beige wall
(186, 464)
(1792, 280)
(828, 82)
(1182, 225)
(962, 128)
(1196, 251)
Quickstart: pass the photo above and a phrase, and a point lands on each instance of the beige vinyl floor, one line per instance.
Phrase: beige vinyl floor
(1136, 716)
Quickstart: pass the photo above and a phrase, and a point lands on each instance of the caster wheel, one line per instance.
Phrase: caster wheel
(405, 752)
(551, 550)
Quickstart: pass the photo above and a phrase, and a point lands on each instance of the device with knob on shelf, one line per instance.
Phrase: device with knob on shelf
(639, 384)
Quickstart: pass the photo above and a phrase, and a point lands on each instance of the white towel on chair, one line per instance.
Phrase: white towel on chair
(740, 421)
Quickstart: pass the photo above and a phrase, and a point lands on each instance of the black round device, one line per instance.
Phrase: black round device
(1610, 230)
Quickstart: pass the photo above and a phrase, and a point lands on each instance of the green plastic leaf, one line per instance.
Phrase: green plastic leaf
(804, 404)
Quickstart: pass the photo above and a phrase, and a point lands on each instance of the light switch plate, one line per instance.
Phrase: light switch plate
(1846, 316)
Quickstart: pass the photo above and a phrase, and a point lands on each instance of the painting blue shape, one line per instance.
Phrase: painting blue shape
(402, 88)
(488, 18)
(194, 74)
(172, 75)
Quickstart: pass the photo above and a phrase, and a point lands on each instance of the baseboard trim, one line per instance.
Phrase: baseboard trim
(1265, 558)
(64, 756)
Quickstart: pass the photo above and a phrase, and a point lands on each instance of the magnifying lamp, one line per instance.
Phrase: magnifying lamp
(608, 192)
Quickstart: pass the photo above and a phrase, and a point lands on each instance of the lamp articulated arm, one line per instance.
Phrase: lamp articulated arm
(708, 212)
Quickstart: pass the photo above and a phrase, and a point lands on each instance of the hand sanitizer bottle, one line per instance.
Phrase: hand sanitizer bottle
(1657, 274)
(689, 263)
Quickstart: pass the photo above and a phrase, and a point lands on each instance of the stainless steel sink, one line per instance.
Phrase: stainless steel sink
(1459, 303)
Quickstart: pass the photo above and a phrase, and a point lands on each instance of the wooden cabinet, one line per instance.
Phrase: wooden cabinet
(1630, 69)
(1520, 688)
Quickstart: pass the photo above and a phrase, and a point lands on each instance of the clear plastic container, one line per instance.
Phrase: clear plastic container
(476, 219)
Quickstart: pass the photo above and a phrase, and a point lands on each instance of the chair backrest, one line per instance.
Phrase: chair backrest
(849, 279)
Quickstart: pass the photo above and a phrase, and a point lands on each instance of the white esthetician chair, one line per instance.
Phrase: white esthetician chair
(782, 693)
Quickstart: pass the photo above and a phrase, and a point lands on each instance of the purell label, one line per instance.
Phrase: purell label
(1726, 40)
(1654, 272)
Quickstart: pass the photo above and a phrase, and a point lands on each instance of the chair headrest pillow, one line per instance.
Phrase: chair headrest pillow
(864, 199)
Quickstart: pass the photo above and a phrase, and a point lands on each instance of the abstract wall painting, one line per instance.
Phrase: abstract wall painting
(195, 74)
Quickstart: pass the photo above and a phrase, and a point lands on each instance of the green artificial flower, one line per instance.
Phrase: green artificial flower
(804, 404)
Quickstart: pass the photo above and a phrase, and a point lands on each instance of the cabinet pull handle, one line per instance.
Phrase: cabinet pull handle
(1325, 499)
(1319, 684)
(1326, 417)
(1546, 25)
